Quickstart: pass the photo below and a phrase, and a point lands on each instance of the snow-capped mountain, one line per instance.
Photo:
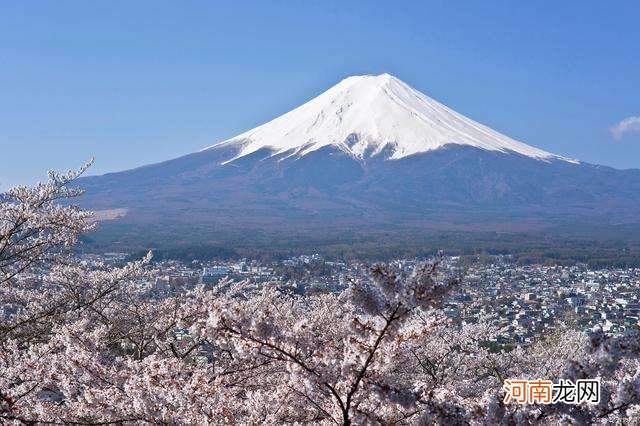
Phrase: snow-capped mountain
(370, 153)
(371, 114)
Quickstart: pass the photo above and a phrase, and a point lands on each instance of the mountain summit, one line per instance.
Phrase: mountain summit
(369, 154)
(370, 115)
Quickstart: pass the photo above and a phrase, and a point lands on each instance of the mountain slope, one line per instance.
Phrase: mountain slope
(370, 153)
(368, 115)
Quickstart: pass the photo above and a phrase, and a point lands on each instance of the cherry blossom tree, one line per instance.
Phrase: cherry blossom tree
(94, 344)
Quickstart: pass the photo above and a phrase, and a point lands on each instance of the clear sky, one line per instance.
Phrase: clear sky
(134, 82)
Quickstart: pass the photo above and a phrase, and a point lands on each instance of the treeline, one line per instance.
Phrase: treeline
(524, 248)
(186, 253)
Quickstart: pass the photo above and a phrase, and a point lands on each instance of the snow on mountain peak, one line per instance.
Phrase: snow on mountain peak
(364, 115)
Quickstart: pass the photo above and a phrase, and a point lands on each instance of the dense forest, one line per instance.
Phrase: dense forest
(600, 248)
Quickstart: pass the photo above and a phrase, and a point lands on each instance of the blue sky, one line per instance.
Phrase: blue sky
(137, 82)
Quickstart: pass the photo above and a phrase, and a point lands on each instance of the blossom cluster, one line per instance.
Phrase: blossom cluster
(90, 344)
